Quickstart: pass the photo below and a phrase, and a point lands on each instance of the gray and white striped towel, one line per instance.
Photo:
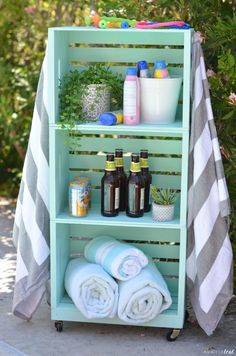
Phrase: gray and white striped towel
(209, 251)
(31, 227)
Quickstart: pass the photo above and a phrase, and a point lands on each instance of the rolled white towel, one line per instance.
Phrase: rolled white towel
(119, 259)
(92, 290)
(143, 297)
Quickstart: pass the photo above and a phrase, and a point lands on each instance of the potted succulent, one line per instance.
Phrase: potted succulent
(163, 203)
(86, 94)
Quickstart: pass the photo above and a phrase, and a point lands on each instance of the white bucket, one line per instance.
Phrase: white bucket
(159, 99)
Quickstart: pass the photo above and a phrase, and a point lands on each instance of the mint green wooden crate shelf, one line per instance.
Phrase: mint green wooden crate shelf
(77, 47)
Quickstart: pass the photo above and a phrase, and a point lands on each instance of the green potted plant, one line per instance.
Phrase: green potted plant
(163, 203)
(86, 94)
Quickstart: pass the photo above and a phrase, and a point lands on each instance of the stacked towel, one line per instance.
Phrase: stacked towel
(121, 260)
(92, 290)
(143, 297)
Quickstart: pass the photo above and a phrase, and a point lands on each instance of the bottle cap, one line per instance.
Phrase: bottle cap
(119, 152)
(142, 65)
(135, 157)
(144, 153)
(110, 157)
(131, 71)
(107, 118)
(124, 24)
(160, 64)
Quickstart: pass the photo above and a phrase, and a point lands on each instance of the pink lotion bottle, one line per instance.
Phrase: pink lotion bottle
(131, 98)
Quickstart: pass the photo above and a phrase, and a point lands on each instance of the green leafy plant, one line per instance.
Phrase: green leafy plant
(163, 196)
(72, 89)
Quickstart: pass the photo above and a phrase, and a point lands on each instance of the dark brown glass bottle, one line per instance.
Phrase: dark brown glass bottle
(147, 177)
(135, 189)
(122, 177)
(110, 188)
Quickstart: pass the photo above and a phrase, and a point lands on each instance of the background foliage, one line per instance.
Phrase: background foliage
(23, 28)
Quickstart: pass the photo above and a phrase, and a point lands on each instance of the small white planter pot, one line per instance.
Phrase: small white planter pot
(95, 101)
(162, 212)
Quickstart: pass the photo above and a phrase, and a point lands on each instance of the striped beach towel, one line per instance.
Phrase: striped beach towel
(31, 226)
(120, 260)
(209, 252)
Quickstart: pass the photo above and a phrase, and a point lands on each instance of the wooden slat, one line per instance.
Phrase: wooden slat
(159, 251)
(160, 37)
(123, 69)
(129, 145)
(168, 268)
(125, 233)
(161, 180)
(113, 55)
(96, 199)
(165, 268)
(162, 164)
(154, 250)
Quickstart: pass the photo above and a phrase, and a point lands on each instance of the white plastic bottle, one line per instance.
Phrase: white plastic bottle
(131, 98)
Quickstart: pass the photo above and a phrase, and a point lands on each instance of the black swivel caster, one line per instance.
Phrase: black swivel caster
(59, 325)
(173, 335)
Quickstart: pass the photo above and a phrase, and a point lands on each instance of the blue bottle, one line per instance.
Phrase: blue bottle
(143, 71)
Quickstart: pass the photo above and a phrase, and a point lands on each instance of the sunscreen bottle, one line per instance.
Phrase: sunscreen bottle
(111, 118)
(143, 71)
(131, 98)
(161, 70)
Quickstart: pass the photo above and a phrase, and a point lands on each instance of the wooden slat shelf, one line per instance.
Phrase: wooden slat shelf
(94, 217)
(141, 129)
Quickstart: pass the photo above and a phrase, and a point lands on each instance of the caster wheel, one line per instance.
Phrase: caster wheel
(59, 326)
(172, 335)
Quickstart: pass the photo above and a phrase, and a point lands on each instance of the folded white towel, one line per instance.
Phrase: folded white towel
(143, 297)
(121, 260)
(92, 290)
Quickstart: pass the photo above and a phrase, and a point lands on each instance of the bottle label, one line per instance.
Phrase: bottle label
(142, 199)
(111, 198)
(135, 167)
(144, 162)
(132, 198)
(130, 98)
(144, 73)
(107, 198)
(110, 166)
(117, 198)
(161, 73)
(119, 161)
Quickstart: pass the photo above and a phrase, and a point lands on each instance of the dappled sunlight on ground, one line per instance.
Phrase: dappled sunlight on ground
(7, 268)
(7, 251)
